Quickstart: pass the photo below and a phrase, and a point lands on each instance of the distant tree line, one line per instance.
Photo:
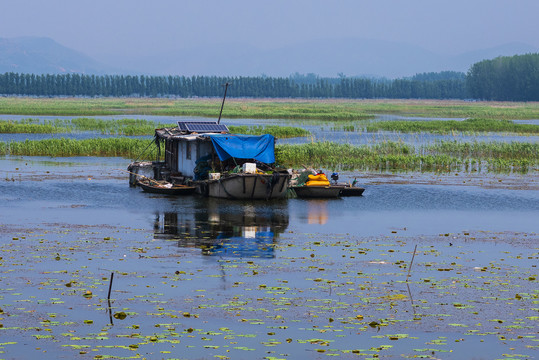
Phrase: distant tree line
(505, 78)
(208, 86)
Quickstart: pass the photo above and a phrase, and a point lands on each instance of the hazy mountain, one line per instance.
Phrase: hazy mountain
(327, 57)
(39, 55)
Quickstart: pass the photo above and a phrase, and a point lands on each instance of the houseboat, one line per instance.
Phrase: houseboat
(219, 164)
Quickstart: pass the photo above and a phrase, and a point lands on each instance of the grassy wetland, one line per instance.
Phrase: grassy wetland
(451, 126)
(270, 109)
(437, 260)
(125, 127)
(386, 155)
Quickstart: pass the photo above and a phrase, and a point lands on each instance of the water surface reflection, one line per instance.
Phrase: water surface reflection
(222, 228)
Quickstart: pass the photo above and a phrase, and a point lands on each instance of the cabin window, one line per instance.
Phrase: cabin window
(188, 150)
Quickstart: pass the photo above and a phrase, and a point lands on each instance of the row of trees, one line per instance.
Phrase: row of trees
(203, 86)
(505, 78)
(514, 78)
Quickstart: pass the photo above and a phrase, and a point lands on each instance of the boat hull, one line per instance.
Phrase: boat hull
(318, 192)
(247, 186)
(352, 191)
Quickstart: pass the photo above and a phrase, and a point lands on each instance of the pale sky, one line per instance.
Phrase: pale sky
(100, 28)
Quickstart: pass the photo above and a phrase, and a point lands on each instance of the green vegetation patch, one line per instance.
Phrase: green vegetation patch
(111, 147)
(275, 130)
(334, 109)
(449, 126)
(389, 155)
(127, 127)
(442, 156)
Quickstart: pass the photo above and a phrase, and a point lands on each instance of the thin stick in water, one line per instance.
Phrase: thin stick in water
(411, 262)
(110, 285)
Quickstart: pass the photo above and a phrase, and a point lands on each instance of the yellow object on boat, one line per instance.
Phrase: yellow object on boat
(317, 183)
(319, 177)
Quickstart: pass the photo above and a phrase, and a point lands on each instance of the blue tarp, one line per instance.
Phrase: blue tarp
(261, 148)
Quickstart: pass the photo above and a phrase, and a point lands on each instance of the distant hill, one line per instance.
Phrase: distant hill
(326, 58)
(40, 55)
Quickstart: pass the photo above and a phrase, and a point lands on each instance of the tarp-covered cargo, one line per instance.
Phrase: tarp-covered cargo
(261, 148)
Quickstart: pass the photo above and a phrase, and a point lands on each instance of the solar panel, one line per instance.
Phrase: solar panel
(202, 126)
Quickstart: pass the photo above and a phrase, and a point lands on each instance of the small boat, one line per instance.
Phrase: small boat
(318, 192)
(162, 187)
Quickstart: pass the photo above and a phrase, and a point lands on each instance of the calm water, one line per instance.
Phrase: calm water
(99, 184)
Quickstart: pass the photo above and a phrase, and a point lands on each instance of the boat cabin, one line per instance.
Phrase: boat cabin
(194, 149)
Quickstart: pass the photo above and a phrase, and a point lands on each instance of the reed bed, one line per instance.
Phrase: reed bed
(127, 127)
(10, 127)
(110, 147)
(256, 109)
(281, 132)
(387, 156)
(384, 156)
(325, 109)
(208, 107)
(451, 126)
(454, 109)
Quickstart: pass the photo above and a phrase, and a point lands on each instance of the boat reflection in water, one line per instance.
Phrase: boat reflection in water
(317, 211)
(226, 228)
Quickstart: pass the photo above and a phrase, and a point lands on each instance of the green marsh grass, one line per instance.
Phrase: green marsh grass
(328, 109)
(207, 107)
(275, 130)
(450, 126)
(387, 156)
(382, 156)
(10, 127)
(110, 147)
(127, 127)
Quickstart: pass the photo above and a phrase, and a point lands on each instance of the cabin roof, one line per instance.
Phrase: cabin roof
(176, 134)
(258, 147)
(189, 130)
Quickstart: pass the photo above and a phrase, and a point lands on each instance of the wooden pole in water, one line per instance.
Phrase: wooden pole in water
(223, 104)
(411, 262)
(110, 285)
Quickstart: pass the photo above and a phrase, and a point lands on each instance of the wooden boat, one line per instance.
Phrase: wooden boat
(218, 163)
(162, 187)
(248, 186)
(318, 192)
